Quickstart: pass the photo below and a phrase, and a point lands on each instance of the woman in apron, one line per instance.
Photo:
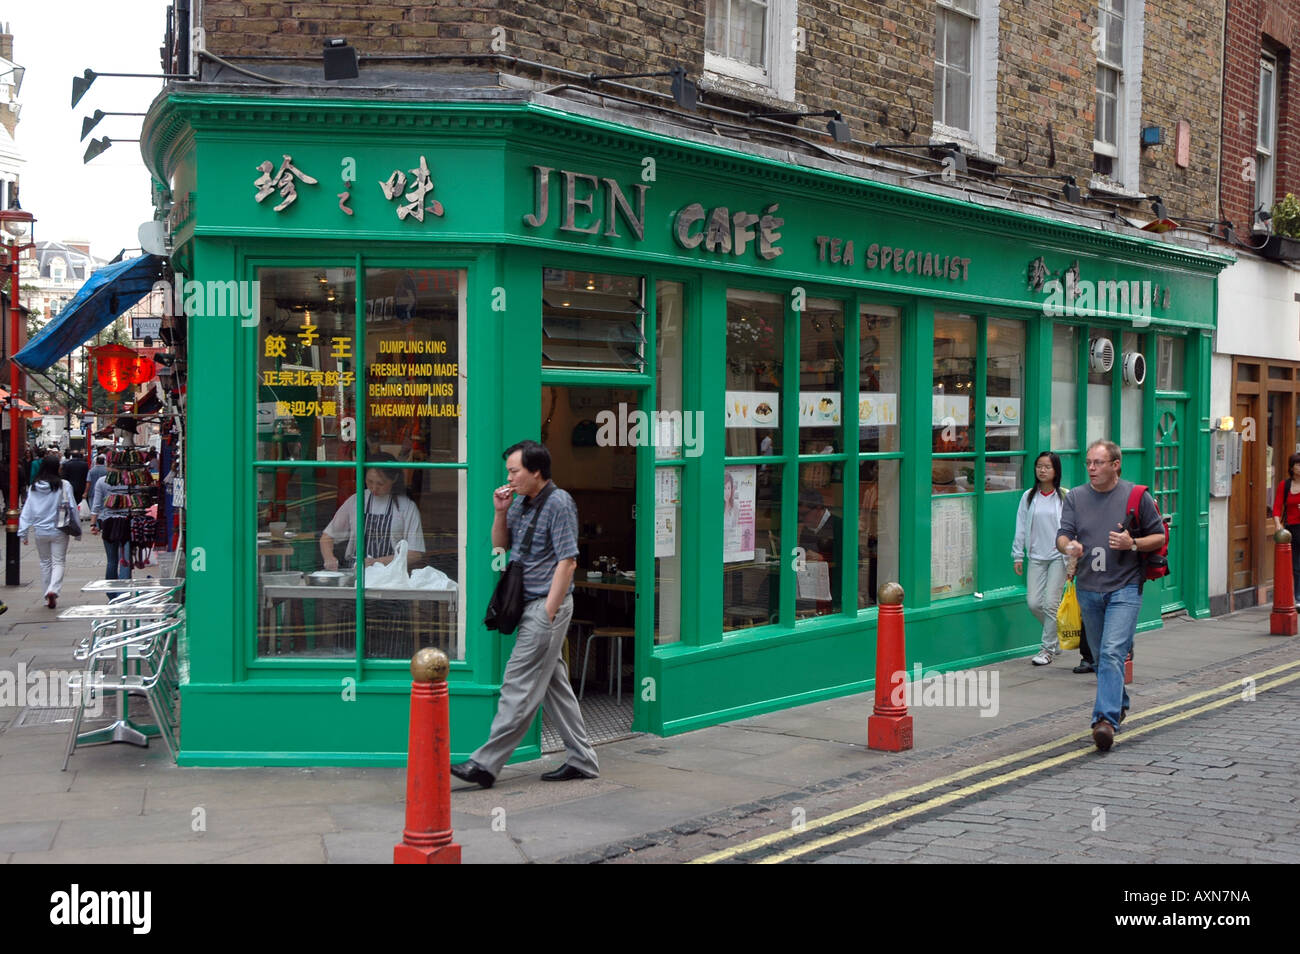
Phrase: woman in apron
(389, 516)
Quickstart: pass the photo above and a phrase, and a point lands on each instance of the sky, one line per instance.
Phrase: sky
(106, 200)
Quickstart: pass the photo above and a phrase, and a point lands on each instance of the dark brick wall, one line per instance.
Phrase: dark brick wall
(1253, 26)
(871, 59)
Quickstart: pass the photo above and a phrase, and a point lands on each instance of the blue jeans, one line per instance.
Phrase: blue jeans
(116, 553)
(1110, 622)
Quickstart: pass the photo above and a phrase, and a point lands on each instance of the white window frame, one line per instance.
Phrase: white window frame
(981, 138)
(1266, 146)
(1128, 104)
(776, 77)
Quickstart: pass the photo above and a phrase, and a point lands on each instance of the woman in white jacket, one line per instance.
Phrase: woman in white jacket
(1037, 520)
(40, 515)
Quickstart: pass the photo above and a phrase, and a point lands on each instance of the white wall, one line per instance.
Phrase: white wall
(1258, 313)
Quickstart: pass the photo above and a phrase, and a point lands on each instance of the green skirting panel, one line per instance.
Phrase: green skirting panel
(304, 722)
(311, 724)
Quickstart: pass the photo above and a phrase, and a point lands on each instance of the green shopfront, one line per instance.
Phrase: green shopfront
(772, 387)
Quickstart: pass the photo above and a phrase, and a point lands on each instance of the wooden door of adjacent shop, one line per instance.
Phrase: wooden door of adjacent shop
(1245, 503)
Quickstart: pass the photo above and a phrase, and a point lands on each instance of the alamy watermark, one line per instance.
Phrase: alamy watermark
(213, 299)
(48, 689)
(1080, 298)
(672, 429)
(967, 688)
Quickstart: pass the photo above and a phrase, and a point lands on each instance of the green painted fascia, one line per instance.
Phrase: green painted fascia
(532, 130)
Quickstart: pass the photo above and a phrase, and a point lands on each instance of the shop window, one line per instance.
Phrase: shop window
(1099, 385)
(1065, 382)
(821, 377)
(880, 360)
(1130, 425)
(819, 560)
(1169, 365)
(751, 551)
(592, 320)
(755, 364)
(877, 528)
(669, 338)
(306, 362)
(415, 367)
(1004, 403)
(312, 561)
(752, 41)
(954, 382)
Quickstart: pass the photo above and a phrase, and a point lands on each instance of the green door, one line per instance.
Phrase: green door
(1167, 492)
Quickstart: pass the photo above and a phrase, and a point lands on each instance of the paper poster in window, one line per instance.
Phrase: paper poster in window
(738, 495)
(665, 531)
(952, 547)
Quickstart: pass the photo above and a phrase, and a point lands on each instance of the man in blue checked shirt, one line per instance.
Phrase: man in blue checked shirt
(536, 672)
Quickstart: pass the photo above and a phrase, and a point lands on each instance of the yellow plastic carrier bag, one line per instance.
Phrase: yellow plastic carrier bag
(1069, 618)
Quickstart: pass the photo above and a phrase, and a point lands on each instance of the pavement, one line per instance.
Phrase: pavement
(672, 799)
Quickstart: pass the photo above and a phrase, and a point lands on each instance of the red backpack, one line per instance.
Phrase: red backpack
(1154, 563)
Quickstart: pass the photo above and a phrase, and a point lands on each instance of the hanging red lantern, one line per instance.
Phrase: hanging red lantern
(115, 367)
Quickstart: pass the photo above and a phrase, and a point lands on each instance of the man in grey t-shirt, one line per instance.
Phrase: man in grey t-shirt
(536, 672)
(1095, 530)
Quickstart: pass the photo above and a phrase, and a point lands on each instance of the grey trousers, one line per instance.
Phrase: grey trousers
(536, 675)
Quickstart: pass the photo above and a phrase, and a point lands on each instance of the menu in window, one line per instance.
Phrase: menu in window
(753, 409)
(952, 547)
(738, 496)
(877, 409)
(950, 409)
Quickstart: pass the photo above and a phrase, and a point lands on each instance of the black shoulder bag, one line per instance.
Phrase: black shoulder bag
(507, 603)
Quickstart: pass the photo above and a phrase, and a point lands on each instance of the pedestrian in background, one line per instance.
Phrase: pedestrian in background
(110, 517)
(1037, 519)
(1286, 514)
(40, 516)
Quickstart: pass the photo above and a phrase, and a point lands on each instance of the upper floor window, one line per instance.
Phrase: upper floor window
(1118, 42)
(1266, 135)
(965, 72)
(58, 270)
(753, 41)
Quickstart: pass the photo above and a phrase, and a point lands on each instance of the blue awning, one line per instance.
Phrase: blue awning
(106, 296)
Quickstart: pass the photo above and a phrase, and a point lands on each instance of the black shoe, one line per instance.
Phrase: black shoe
(564, 773)
(1103, 735)
(1083, 667)
(473, 772)
(1123, 714)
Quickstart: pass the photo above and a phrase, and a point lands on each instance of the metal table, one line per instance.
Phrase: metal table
(121, 729)
(146, 585)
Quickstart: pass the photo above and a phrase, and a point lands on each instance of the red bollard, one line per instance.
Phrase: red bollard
(1128, 668)
(890, 727)
(1282, 621)
(427, 837)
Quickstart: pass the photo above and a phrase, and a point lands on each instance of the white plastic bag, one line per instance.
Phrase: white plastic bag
(391, 576)
(83, 510)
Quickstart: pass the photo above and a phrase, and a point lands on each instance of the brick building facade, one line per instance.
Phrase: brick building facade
(1260, 34)
(873, 61)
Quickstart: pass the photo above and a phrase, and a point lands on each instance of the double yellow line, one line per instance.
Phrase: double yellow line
(938, 801)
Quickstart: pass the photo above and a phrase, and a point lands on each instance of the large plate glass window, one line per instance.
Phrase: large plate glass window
(306, 364)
